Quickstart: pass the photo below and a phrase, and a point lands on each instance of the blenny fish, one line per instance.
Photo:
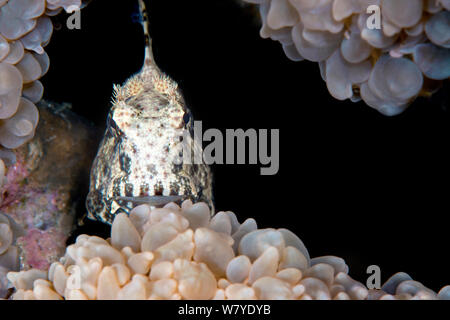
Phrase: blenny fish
(138, 158)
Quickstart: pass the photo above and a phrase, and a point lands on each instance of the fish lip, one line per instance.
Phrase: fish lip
(112, 126)
(151, 200)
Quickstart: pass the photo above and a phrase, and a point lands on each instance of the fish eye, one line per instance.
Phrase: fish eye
(112, 126)
(187, 117)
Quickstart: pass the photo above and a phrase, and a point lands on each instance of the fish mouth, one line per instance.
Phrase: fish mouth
(156, 201)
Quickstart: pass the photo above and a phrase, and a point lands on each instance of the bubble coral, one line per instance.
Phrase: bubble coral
(387, 67)
(25, 29)
(183, 253)
(9, 253)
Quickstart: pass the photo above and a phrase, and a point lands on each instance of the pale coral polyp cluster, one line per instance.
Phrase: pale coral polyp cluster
(9, 253)
(388, 67)
(184, 253)
(25, 29)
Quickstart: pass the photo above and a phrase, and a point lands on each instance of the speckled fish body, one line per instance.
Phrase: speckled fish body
(138, 159)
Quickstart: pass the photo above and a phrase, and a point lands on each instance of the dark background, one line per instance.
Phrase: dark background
(352, 183)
